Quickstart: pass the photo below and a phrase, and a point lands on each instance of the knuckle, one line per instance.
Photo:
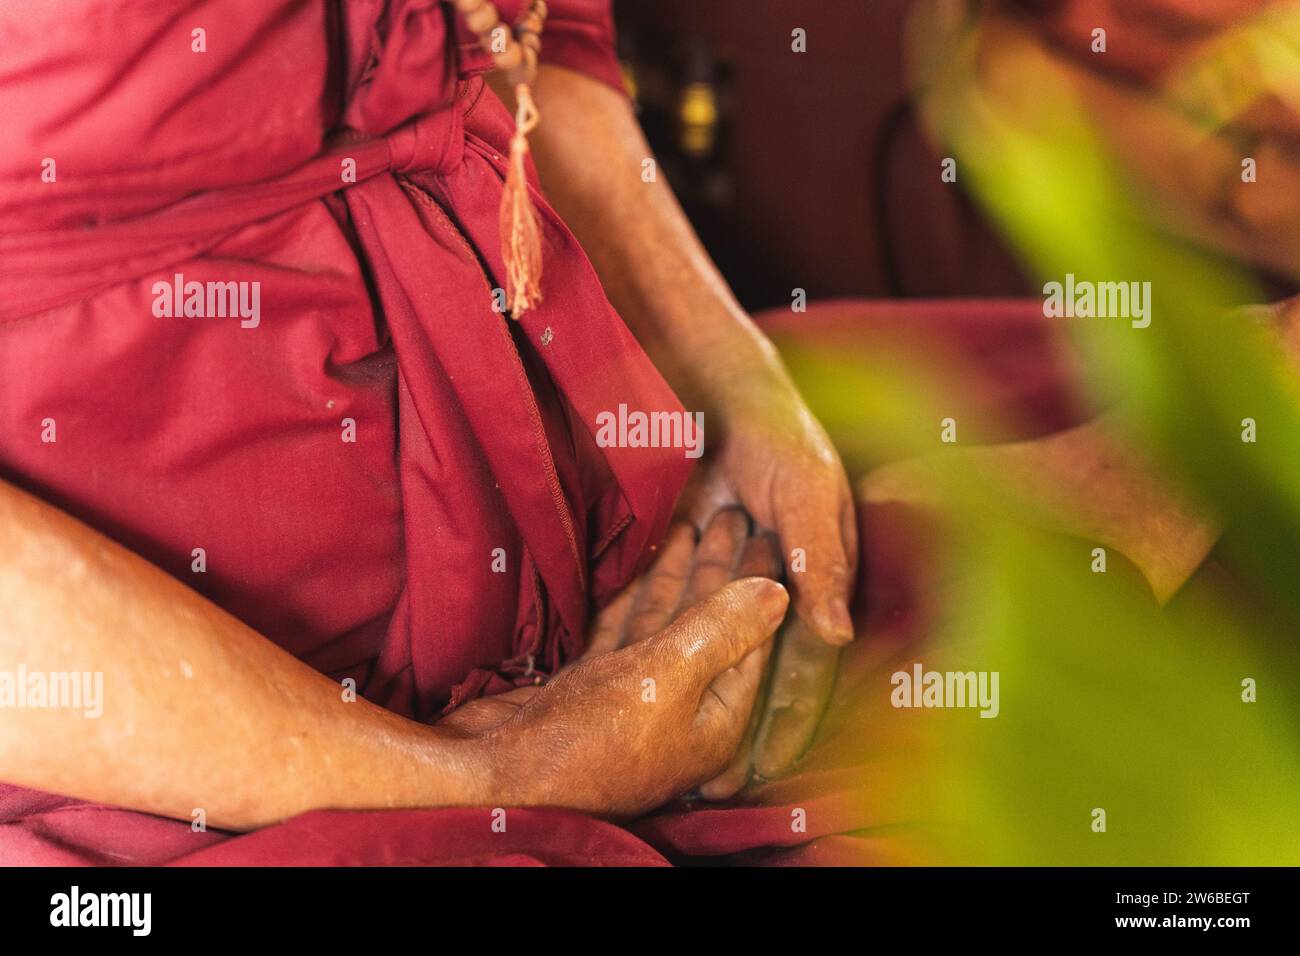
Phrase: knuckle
(713, 565)
(650, 612)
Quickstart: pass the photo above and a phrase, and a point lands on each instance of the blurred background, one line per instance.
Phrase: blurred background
(1117, 140)
(814, 170)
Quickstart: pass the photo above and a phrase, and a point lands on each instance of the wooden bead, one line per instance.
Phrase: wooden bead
(483, 19)
(522, 51)
(511, 58)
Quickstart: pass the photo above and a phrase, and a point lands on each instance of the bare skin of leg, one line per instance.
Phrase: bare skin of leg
(1084, 482)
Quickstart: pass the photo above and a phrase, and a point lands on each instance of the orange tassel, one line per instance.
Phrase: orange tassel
(521, 241)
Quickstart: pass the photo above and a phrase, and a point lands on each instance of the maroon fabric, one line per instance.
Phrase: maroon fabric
(370, 559)
(1011, 367)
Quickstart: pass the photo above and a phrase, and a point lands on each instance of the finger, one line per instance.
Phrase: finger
(733, 779)
(761, 558)
(849, 534)
(484, 713)
(606, 632)
(820, 581)
(716, 556)
(727, 703)
(718, 632)
(610, 629)
(734, 688)
(706, 492)
(728, 783)
(803, 676)
(661, 587)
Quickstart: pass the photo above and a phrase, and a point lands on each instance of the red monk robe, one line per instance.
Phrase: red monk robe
(344, 160)
(1012, 370)
(372, 559)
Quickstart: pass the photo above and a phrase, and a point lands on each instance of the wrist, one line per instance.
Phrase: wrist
(458, 770)
(743, 372)
(501, 774)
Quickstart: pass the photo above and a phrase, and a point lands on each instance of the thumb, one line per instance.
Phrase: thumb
(718, 632)
(821, 589)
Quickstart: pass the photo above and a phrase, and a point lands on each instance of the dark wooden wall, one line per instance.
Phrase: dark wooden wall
(818, 177)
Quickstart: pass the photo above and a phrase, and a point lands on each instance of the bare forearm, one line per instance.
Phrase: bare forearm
(589, 153)
(198, 710)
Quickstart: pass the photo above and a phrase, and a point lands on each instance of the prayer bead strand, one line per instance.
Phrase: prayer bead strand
(516, 54)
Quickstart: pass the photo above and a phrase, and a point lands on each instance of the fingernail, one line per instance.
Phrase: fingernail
(835, 624)
(774, 598)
